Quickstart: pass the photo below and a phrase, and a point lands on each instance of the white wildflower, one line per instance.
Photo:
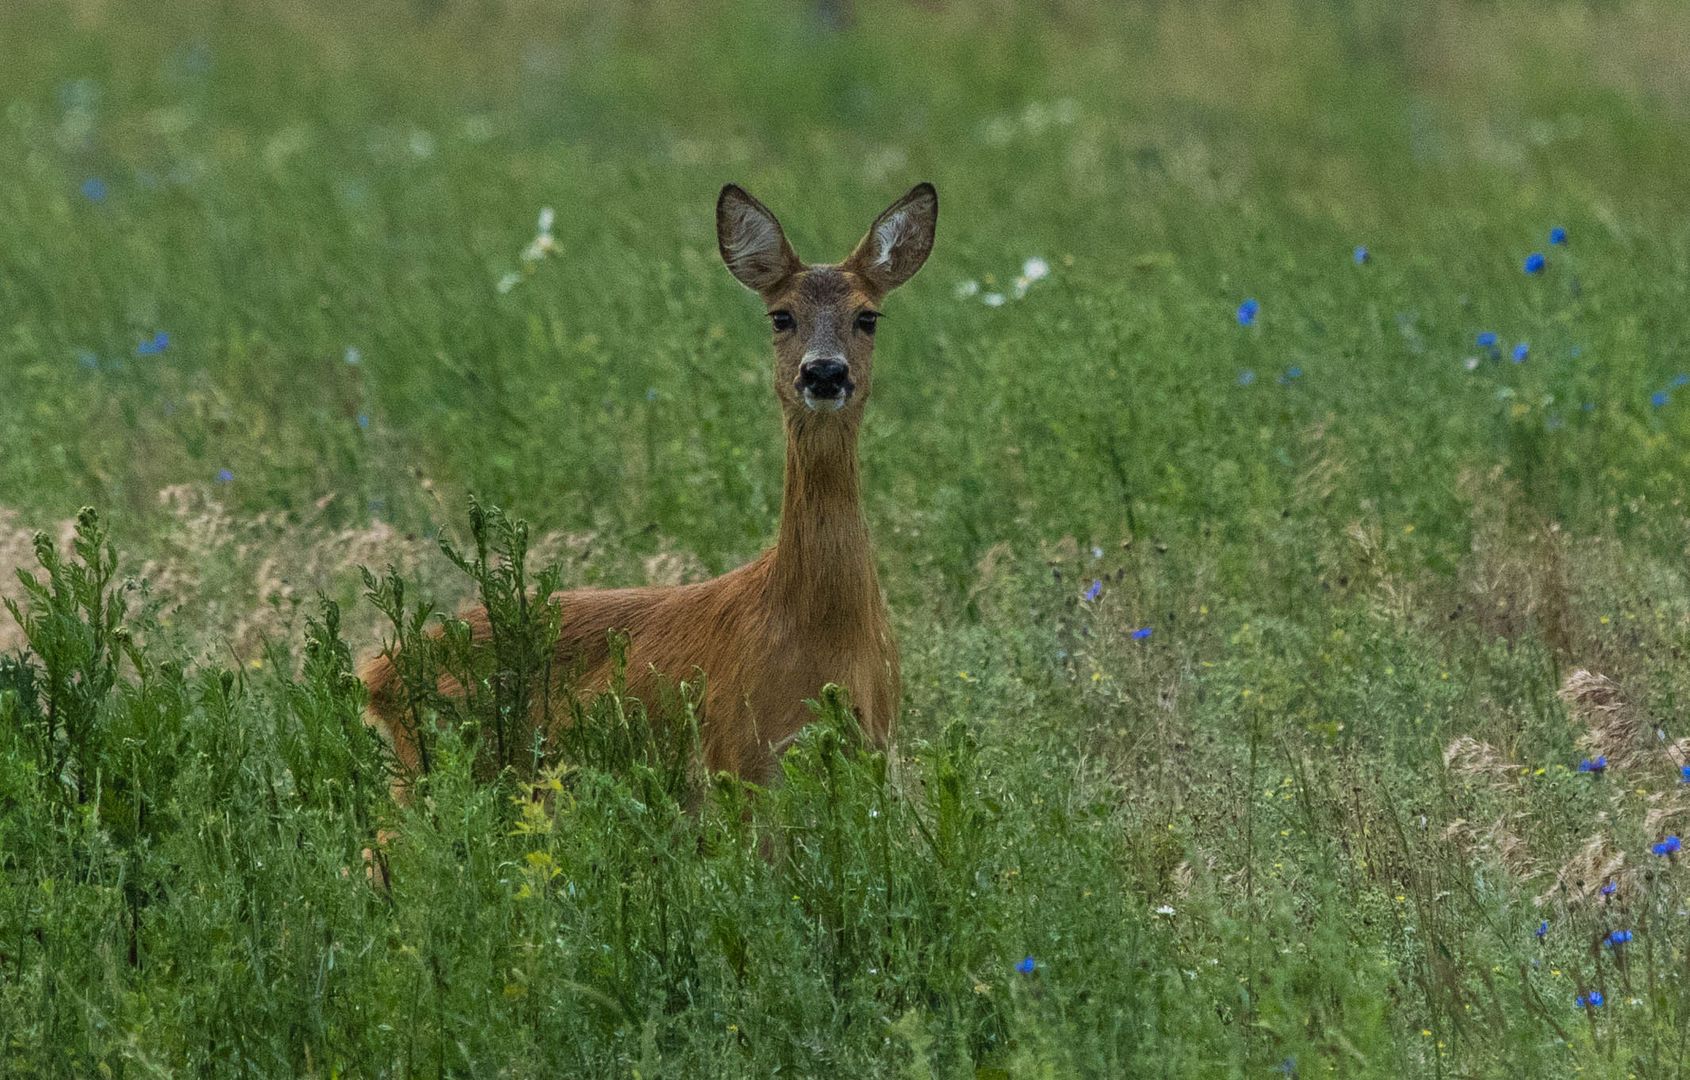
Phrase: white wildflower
(543, 243)
(510, 281)
(997, 131)
(993, 299)
(478, 128)
(1165, 909)
(966, 289)
(1035, 269)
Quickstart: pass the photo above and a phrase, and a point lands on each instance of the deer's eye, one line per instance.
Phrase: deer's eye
(783, 321)
(867, 320)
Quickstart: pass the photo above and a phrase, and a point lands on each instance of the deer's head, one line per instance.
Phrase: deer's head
(823, 316)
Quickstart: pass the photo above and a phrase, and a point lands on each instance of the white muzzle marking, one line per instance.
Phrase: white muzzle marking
(822, 404)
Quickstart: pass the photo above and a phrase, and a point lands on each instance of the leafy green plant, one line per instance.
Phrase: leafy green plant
(496, 689)
(73, 621)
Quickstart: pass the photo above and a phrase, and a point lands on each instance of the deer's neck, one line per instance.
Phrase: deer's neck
(822, 570)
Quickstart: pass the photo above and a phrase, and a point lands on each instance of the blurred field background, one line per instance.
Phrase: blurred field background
(272, 298)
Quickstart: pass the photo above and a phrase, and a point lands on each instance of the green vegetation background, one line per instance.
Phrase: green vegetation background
(1310, 823)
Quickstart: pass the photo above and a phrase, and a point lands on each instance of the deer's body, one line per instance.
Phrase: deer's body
(809, 611)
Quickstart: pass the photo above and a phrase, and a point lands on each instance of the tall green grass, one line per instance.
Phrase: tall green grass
(1311, 821)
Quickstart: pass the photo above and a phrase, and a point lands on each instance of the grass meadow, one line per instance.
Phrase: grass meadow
(1285, 533)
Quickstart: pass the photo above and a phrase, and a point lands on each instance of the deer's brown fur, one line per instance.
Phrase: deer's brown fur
(809, 610)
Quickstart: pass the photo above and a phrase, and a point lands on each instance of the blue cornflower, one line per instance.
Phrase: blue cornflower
(1361, 255)
(1592, 999)
(1026, 964)
(1247, 311)
(1141, 633)
(1534, 263)
(1680, 380)
(224, 476)
(1288, 1067)
(1521, 351)
(196, 58)
(154, 345)
(1246, 377)
(87, 359)
(1291, 373)
(1610, 888)
(1617, 938)
(1659, 398)
(1684, 775)
(94, 189)
(1597, 765)
(1542, 929)
(1094, 590)
(1486, 339)
(364, 420)
(1668, 846)
(1557, 235)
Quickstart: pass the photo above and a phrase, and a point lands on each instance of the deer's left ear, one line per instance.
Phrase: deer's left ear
(752, 243)
(899, 240)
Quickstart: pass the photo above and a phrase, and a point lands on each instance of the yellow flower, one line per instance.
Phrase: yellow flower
(542, 863)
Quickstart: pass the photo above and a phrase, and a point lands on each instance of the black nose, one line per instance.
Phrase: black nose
(825, 378)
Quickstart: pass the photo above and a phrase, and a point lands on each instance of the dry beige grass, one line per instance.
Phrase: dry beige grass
(241, 583)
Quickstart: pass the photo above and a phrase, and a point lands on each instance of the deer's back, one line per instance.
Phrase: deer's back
(757, 668)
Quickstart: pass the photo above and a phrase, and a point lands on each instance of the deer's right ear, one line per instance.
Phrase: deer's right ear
(899, 240)
(751, 242)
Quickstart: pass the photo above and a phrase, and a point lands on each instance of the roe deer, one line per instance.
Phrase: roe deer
(808, 611)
